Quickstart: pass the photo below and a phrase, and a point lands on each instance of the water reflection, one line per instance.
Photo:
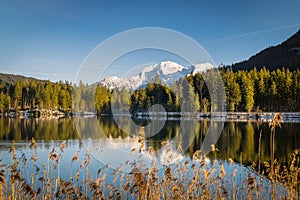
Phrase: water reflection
(39, 128)
(239, 140)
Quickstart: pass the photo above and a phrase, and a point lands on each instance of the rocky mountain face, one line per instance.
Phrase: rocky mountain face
(168, 72)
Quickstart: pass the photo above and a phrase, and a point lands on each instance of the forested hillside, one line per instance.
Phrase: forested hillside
(11, 78)
(253, 90)
(286, 54)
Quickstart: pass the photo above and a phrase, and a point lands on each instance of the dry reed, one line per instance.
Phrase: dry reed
(192, 179)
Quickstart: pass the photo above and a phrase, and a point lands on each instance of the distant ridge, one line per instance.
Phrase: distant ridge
(168, 72)
(12, 78)
(286, 54)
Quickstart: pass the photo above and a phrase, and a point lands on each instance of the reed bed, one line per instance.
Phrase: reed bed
(195, 178)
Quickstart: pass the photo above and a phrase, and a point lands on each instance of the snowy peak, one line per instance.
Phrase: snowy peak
(169, 72)
(198, 68)
(169, 67)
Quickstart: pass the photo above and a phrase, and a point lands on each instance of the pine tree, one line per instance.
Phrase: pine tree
(190, 103)
(247, 92)
(170, 103)
(17, 95)
(31, 94)
(46, 95)
(196, 105)
(54, 97)
(205, 104)
(64, 100)
(124, 100)
(99, 103)
(2, 102)
(233, 92)
(177, 104)
(115, 100)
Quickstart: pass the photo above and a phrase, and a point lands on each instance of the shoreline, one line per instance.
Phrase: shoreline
(228, 115)
(241, 116)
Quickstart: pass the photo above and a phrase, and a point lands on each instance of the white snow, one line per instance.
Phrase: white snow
(169, 72)
(202, 67)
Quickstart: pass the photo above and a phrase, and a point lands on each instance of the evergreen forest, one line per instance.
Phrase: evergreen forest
(246, 91)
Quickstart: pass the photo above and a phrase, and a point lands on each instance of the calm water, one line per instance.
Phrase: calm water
(238, 140)
(109, 146)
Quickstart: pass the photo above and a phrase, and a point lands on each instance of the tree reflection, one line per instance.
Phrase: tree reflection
(236, 138)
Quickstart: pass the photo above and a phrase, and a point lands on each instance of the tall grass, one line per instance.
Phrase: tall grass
(192, 179)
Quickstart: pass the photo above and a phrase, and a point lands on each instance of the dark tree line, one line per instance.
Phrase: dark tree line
(23, 95)
(265, 90)
(252, 90)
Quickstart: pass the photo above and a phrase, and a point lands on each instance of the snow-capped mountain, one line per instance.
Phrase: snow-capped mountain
(169, 72)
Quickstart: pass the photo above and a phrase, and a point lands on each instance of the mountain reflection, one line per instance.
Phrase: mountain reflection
(238, 140)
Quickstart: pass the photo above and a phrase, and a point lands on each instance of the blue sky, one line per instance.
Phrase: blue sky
(50, 39)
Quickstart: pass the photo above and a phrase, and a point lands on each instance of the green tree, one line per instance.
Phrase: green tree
(46, 95)
(2, 102)
(17, 95)
(247, 92)
(54, 96)
(190, 101)
(102, 99)
(233, 92)
(31, 94)
(139, 101)
(200, 87)
(124, 101)
(64, 100)
(25, 95)
(205, 104)
(115, 100)
(170, 106)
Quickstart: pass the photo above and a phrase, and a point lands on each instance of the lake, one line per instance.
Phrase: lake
(102, 143)
(237, 137)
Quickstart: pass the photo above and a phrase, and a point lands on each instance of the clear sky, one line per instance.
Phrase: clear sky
(50, 39)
